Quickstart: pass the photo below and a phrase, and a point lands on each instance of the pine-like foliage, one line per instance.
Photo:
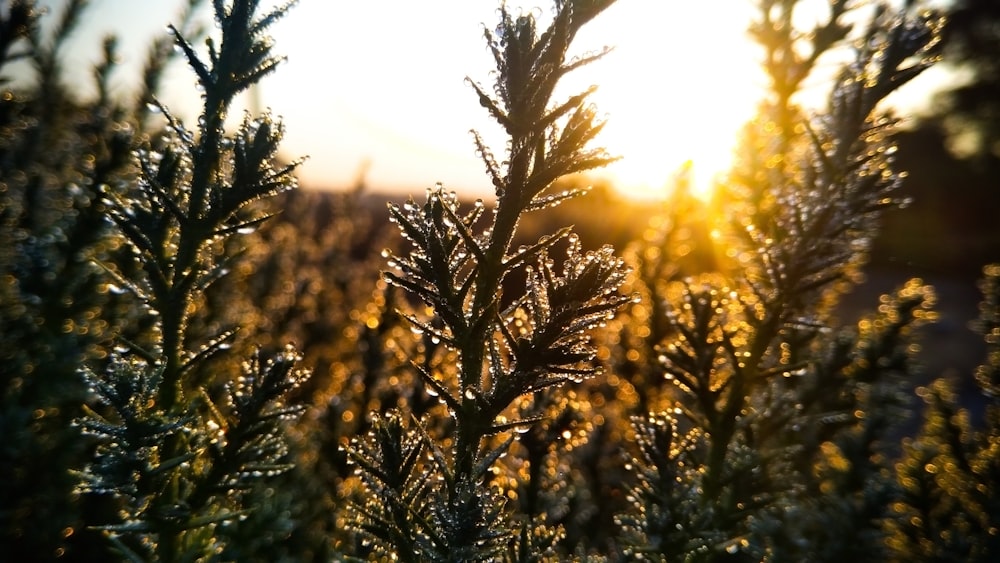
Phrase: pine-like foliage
(949, 473)
(500, 344)
(310, 276)
(773, 446)
(458, 416)
(177, 446)
(53, 150)
(56, 150)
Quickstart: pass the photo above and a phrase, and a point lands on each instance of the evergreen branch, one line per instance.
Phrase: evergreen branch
(194, 61)
(210, 349)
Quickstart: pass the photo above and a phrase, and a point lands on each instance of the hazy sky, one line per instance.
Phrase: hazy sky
(381, 83)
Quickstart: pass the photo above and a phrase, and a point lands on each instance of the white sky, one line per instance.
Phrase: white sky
(382, 82)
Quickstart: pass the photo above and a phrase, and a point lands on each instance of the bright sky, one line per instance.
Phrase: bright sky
(380, 85)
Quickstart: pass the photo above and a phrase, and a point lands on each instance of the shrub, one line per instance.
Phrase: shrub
(504, 390)
(178, 447)
(501, 353)
(56, 151)
(774, 439)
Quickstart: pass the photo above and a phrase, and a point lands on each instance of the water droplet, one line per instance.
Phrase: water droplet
(116, 290)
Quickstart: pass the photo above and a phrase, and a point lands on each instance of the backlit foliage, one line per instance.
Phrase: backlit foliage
(498, 345)
(948, 508)
(773, 444)
(56, 151)
(177, 446)
(485, 382)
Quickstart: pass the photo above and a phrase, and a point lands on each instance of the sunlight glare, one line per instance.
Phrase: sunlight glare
(378, 88)
(682, 80)
(679, 83)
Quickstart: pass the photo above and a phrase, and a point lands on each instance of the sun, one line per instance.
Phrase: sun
(682, 79)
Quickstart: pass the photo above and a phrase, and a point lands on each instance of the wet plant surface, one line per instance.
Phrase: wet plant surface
(203, 362)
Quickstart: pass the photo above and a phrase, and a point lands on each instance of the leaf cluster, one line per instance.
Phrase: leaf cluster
(176, 458)
(505, 346)
(778, 408)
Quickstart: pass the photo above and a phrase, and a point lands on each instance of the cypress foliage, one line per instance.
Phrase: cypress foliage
(774, 445)
(499, 345)
(948, 505)
(491, 395)
(177, 447)
(54, 150)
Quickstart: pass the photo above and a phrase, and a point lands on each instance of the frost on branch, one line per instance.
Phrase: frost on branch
(503, 343)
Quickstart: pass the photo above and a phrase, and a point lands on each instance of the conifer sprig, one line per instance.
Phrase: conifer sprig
(948, 475)
(176, 457)
(745, 348)
(16, 26)
(506, 346)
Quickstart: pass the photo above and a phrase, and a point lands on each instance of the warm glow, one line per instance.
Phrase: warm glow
(380, 86)
(682, 80)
